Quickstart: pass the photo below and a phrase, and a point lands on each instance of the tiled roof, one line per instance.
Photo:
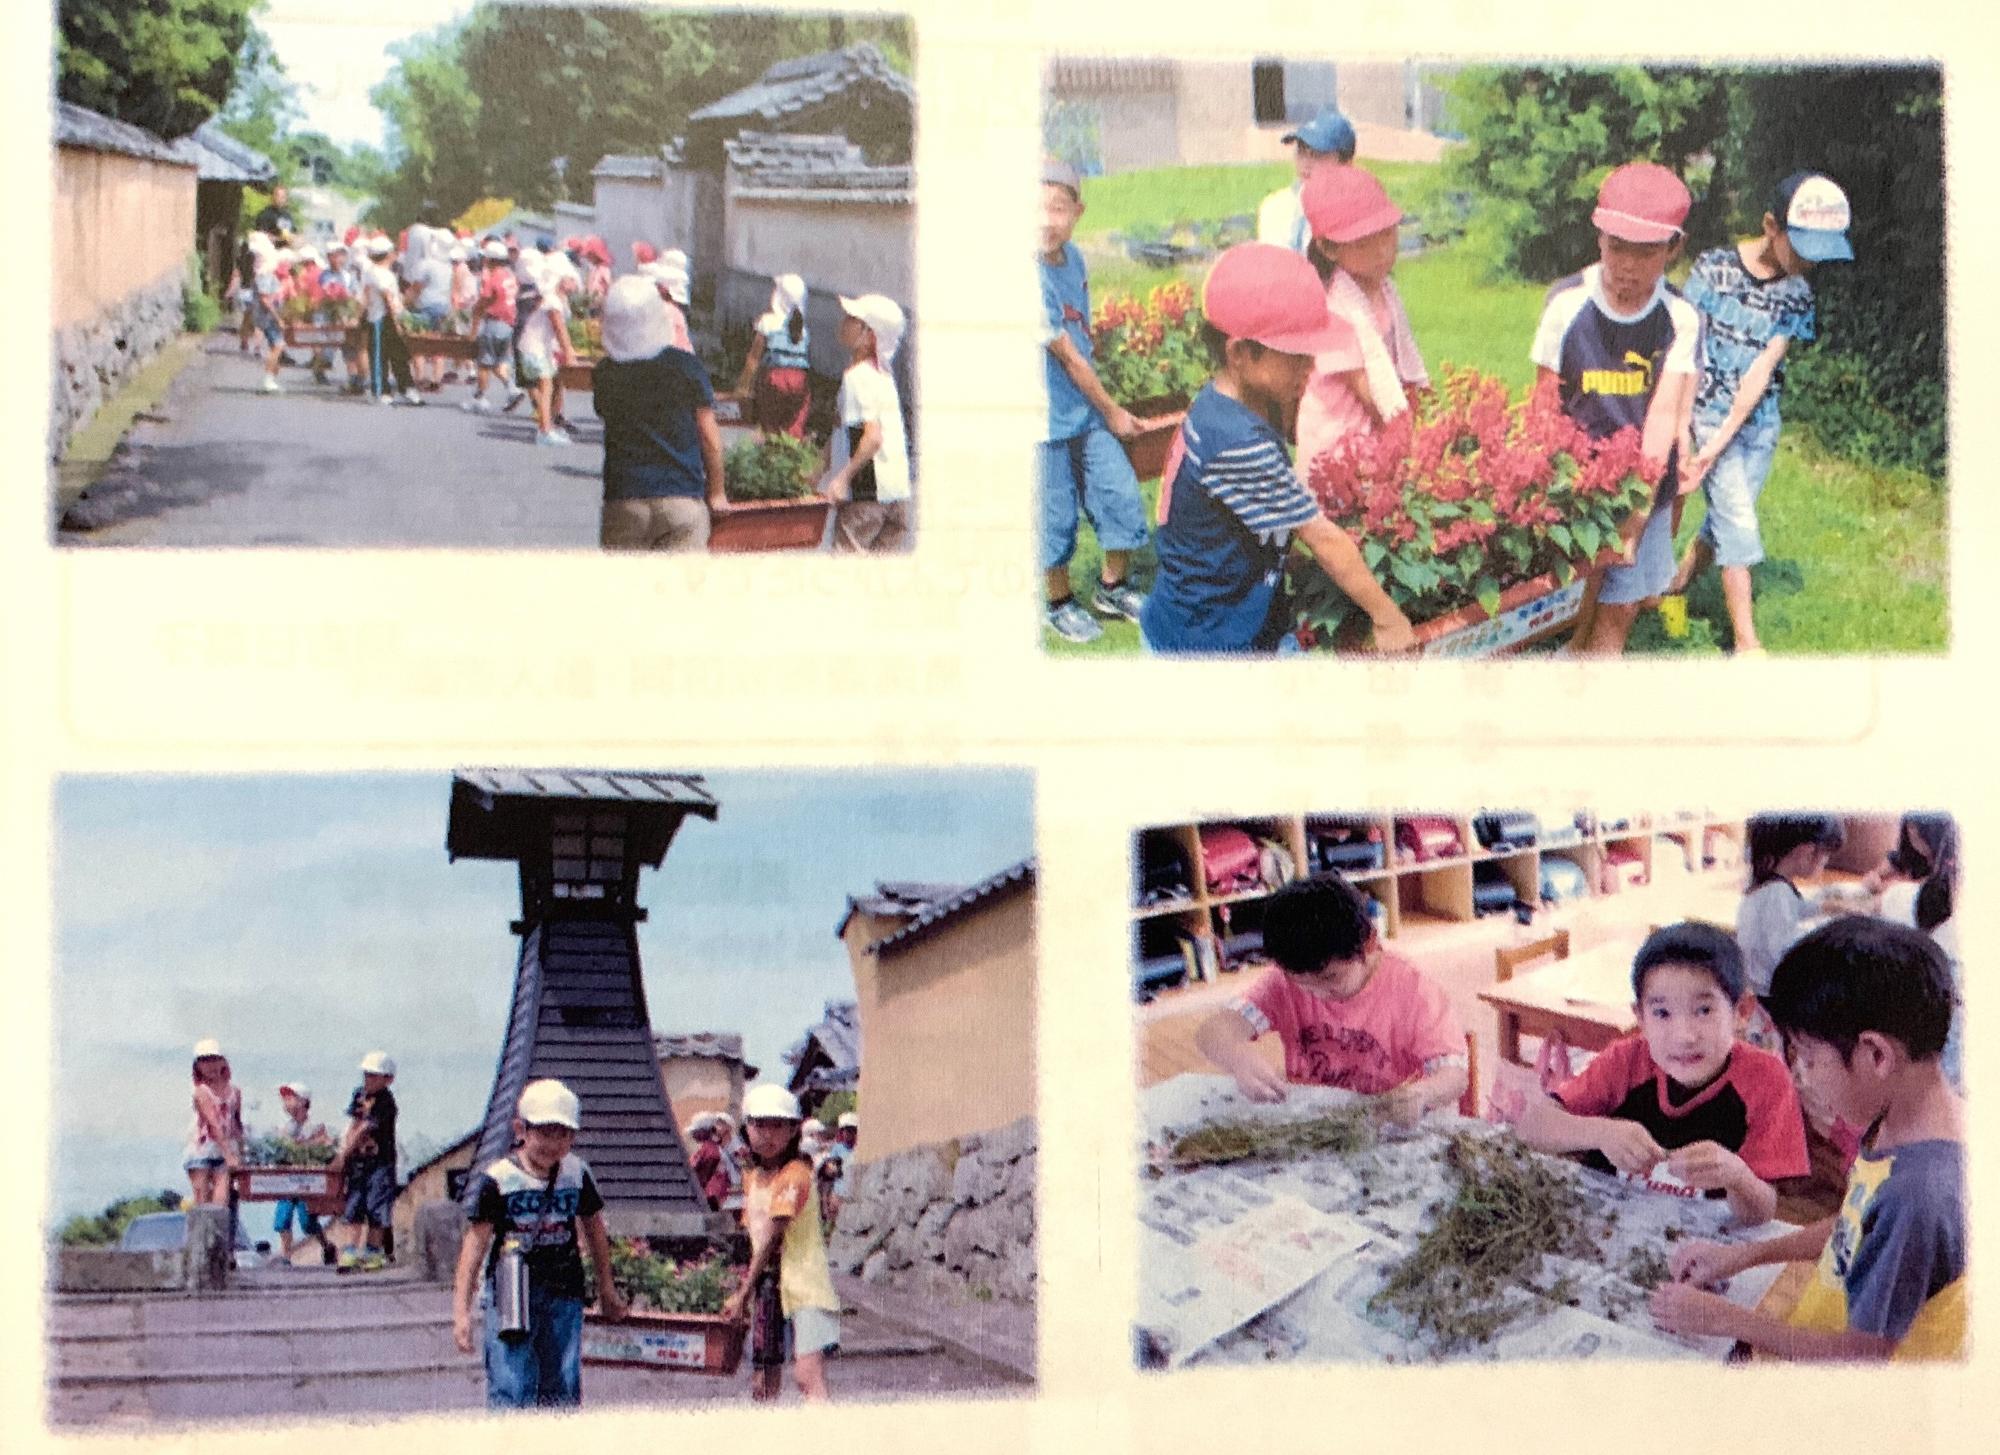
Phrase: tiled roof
(683, 790)
(637, 169)
(1110, 73)
(1018, 876)
(838, 1038)
(220, 157)
(78, 126)
(722, 1045)
(791, 86)
(767, 163)
(895, 897)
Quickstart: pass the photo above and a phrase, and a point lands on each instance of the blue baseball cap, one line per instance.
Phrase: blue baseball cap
(1816, 217)
(1328, 132)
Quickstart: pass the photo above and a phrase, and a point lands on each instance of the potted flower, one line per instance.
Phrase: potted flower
(772, 503)
(675, 1322)
(586, 338)
(1480, 517)
(1150, 359)
(279, 1168)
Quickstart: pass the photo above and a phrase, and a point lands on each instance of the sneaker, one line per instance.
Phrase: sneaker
(1117, 599)
(270, 386)
(477, 404)
(514, 397)
(370, 1263)
(410, 396)
(1068, 620)
(553, 437)
(385, 398)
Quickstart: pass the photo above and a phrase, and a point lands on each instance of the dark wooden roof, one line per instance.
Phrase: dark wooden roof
(79, 126)
(496, 811)
(1014, 879)
(579, 1015)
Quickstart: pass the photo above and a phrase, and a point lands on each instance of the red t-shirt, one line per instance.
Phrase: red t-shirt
(1752, 1108)
(1373, 1042)
(496, 290)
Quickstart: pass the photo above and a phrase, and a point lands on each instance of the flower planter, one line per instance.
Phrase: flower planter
(576, 377)
(1148, 448)
(730, 409)
(769, 525)
(688, 1343)
(442, 345)
(321, 1189)
(316, 335)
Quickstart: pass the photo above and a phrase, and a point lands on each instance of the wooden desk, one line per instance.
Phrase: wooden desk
(1586, 998)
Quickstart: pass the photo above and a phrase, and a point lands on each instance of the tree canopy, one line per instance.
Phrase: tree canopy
(166, 65)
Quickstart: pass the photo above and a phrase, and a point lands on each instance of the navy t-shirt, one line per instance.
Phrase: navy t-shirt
(542, 1212)
(1222, 548)
(651, 447)
(377, 1147)
(1741, 314)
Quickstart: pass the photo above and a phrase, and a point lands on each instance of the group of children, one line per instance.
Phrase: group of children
(663, 462)
(1863, 1007)
(365, 1155)
(1312, 344)
(541, 1201)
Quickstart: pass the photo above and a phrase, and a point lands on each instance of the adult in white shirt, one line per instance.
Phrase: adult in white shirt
(1325, 141)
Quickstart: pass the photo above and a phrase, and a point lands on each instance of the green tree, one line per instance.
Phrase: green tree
(166, 65)
(263, 104)
(431, 116)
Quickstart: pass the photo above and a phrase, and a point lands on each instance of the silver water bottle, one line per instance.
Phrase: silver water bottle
(510, 1292)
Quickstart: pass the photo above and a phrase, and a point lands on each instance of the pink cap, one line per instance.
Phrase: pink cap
(1345, 204)
(1642, 202)
(1272, 296)
(644, 252)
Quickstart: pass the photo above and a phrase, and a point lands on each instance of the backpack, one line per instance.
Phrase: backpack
(1230, 861)
(1428, 837)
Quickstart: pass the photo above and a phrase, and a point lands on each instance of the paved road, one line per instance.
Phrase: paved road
(228, 466)
(307, 1343)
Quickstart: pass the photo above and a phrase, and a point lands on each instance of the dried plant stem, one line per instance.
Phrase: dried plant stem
(1341, 1132)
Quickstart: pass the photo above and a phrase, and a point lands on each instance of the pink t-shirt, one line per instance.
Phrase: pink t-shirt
(1331, 410)
(1371, 1043)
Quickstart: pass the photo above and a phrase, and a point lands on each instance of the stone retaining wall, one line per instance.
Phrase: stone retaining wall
(958, 1217)
(91, 360)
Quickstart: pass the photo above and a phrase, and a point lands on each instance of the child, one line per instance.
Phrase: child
(840, 1157)
(539, 1195)
(215, 1140)
(868, 452)
(1754, 300)
(778, 362)
(663, 479)
(427, 291)
(1322, 145)
(297, 1099)
(706, 1161)
(1231, 503)
(544, 347)
(789, 1279)
(493, 320)
(1783, 848)
(266, 298)
(672, 281)
(1682, 1089)
(1083, 466)
(384, 304)
(1349, 1012)
(1926, 854)
(1622, 345)
(1864, 1006)
(1359, 385)
(367, 1157)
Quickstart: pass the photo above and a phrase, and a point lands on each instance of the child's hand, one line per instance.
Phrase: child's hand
(1703, 1264)
(612, 1305)
(461, 1331)
(1403, 1106)
(1122, 423)
(1696, 469)
(1681, 1309)
(838, 486)
(736, 1308)
(1259, 1082)
(1708, 1165)
(1628, 1146)
(1393, 633)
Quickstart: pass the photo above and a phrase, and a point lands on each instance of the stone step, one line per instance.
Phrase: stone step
(267, 1351)
(330, 1305)
(301, 1394)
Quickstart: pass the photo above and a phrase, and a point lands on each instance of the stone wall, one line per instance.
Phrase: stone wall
(956, 1218)
(93, 358)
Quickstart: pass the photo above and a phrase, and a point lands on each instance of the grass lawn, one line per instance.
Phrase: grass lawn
(1857, 556)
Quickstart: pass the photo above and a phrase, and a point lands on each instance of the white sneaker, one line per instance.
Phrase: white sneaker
(385, 398)
(410, 396)
(477, 404)
(270, 386)
(553, 437)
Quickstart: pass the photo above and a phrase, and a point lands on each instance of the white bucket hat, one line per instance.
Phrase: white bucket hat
(495, 250)
(770, 1102)
(297, 1088)
(207, 1046)
(849, 1119)
(636, 325)
(378, 1063)
(674, 280)
(788, 291)
(884, 319)
(549, 1103)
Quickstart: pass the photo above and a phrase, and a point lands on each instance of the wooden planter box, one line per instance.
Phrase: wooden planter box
(1529, 612)
(317, 335)
(1148, 448)
(731, 409)
(321, 1189)
(688, 1343)
(576, 377)
(769, 525)
(442, 345)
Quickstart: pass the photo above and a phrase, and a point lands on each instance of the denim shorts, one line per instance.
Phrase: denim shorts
(284, 1213)
(266, 323)
(546, 1368)
(1732, 489)
(496, 344)
(1091, 472)
(371, 1195)
(1652, 568)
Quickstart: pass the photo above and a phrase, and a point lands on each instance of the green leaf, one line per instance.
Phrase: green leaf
(1565, 572)
(1483, 513)
(1487, 592)
(1588, 539)
(1373, 553)
(1407, 572)
(1564, 541)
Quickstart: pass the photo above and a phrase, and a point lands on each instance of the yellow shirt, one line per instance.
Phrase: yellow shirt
(804, 1278)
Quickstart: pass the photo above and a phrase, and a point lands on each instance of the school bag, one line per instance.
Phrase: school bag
(1623, 865)
(1492, 891)
(1274, 864)
(1345, 845)
(1506, 830)
(1230, 861)
(1428, 837)
(1163, 875)
(1562, 879)
(1156, 972)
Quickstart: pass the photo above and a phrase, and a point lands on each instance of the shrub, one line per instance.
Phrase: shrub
(103, 1230)
(200, 313)
(778, 468)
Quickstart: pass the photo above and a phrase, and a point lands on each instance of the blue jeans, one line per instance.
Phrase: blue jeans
(1093, 475)
(546, 1368)
(1732, 488)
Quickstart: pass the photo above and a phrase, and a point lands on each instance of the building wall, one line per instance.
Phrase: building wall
(119, 225)
(837, 247)
(427, 1187)
(699, 1084)
(659, 211)
(949, 1030)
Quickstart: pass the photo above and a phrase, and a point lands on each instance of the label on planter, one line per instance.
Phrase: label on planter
(1512, 626)
(637, 1344)
(286, 1184)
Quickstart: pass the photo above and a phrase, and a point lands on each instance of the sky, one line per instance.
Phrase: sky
(304, 921)
(335, 52)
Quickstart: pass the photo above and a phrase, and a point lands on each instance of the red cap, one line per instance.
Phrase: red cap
(1344, 204)
(1642, 202)
(644, 252)
(1272, 296)
(352, 234)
